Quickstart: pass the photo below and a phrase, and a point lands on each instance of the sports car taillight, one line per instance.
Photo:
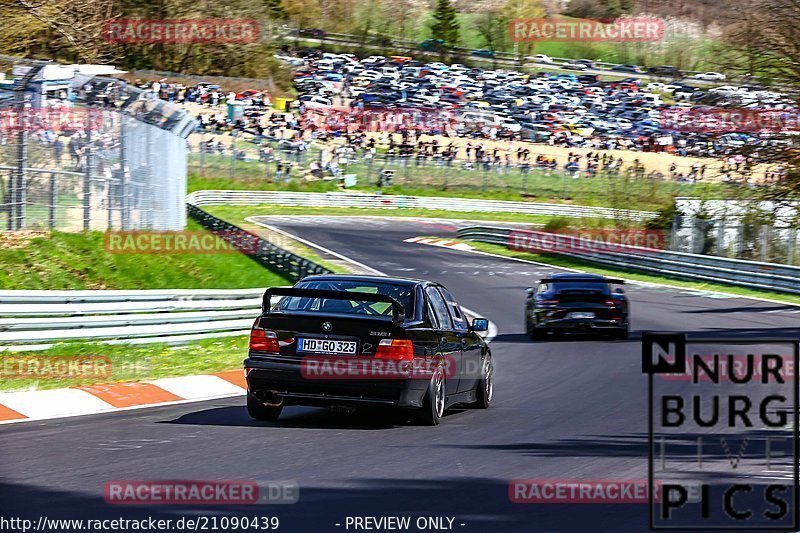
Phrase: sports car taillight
(548, 302)
(263, 340)
(397, 349)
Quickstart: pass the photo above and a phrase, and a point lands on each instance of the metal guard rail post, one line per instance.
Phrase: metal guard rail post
(271, 256)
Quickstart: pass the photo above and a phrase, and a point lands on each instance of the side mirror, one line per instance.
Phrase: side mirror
(530, 290)
(619, 291)
(480, 324)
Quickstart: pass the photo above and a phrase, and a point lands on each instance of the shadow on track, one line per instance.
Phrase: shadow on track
(742, 309)
(480, 504)
(296, 417)
(292, 417)
(683, 446)
(522, 338)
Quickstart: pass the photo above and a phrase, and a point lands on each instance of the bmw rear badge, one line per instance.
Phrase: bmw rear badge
(326, 327)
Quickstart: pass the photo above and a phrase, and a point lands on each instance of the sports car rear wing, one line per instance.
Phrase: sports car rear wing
(398, 312)
(584, 280)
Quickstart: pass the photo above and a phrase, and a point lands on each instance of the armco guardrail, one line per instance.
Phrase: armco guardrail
(36, 319)
(751, 274)
(271, 256)
(31, 320)
(337, 199)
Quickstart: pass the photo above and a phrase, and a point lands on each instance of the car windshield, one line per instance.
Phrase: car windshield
(404, 294)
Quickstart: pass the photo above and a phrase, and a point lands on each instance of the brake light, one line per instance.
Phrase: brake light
(611, 303)
(396, 349)
(548, 302)
(264, 340)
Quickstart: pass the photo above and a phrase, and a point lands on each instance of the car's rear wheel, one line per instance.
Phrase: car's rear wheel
(621, 334)
(433, 404)
(260, 411)
(536, 334)
(484, 389)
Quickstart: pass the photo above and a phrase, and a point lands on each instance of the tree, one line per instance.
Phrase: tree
(599, 8)
(304, 13)
(445, 25)
(523, 9)
(370, 15)
(492, 26)
(74, 27)
(275, 9)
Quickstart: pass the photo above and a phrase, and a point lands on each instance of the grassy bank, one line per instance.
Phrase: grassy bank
(44, 260)
(120, 363)
(236, 214)
(621, 192)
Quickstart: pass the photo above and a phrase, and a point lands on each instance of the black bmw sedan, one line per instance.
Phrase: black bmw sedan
(338, 340)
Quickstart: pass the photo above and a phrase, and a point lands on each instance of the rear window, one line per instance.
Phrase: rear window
(581, 286)
(402, 293)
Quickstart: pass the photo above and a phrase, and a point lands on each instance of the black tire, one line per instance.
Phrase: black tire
(433, 404)
(484, 388)
(259, 411)
(621, 334)
(536, 334)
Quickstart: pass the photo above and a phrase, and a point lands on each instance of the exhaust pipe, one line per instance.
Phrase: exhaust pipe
(269, 397)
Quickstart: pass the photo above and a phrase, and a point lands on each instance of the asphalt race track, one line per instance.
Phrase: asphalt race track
(569, 409)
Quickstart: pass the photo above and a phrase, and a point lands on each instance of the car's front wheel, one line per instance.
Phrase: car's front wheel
(433, 404)
(260, 411)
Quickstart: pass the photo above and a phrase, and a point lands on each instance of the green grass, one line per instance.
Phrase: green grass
(237, 213)
(125, 362)
(80, 261)
(568, 262)
(617, 192)
(254, 182)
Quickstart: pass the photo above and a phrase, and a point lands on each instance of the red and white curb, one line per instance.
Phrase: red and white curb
(93, 399)
(444, 243)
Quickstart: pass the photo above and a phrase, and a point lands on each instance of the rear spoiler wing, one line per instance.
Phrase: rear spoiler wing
(398, 312)
(584, 280)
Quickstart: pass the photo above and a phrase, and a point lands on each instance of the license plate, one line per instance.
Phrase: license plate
(326, 346)
(580, 315)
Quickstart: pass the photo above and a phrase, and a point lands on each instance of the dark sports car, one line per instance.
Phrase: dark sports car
(577, 303)
(337, 340)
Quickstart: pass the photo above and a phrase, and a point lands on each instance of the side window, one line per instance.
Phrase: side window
(439, 308)
(432, 315)
(459, 320)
